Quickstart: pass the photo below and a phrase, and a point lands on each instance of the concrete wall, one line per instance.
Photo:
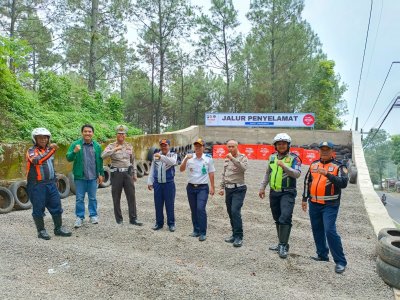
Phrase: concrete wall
(265, 135)
(13, 165)
(377, 212)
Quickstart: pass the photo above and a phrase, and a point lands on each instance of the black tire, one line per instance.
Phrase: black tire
(178, 159)
(107, 178)
(63, 185)
(20, 194)
(146, 167)
(150, 153)
(6, 200)
(139, 169)
(388, 249)
(389, 273)
(392, 232)
(339, 157)
(72, 187)
(353, 174)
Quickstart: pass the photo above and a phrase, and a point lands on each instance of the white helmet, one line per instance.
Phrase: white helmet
(282, 137)
(40, 131)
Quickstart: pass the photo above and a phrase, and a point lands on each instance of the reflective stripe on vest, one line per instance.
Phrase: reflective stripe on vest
(279, 179)
(321, 188)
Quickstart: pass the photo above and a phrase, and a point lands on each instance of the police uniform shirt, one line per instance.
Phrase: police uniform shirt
(122, 158)
(165, 162)
(195, 167)
(234, 170)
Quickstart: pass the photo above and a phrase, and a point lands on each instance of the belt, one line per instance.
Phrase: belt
(119, 169)
(34, 181)
(234, 185)
(285, 190)
(197, 185)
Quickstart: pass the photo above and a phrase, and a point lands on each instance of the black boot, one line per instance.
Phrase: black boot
(284, 233)
(42, 233)
(275, 248)
(58, 228)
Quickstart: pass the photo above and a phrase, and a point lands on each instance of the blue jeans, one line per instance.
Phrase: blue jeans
(164, 193)
(84, 186)
(198, 201)
(44, 195)
(234, 201)
(323, 223)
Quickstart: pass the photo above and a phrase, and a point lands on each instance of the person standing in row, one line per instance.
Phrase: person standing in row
(283, 169)
(235, 165)
(323, 186)
(123, 175)
(161, 178)
(88, 173)
(41, 186)
(200, 171)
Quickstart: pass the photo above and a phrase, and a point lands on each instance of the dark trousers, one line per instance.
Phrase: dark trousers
(119, 181)
(198, 201)
(234, 201)
(282, 205)
(164, 193)
(42, 196)
(323, 223)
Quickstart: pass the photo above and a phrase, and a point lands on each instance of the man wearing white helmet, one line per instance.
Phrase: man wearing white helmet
(283, 169)
(41, 186)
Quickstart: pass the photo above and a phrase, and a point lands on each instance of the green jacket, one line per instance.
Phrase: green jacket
(77, 158)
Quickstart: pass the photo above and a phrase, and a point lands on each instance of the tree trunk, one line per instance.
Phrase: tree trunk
(228, 96)
(153, 67)
(34, 69)
(273, 60)
(93, 46)
(182, 99)
(161, 79)
(13, 16)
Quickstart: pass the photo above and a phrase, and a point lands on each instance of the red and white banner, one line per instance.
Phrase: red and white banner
(263, 152)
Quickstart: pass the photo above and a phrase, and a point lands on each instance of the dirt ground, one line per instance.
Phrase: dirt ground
(110, 261)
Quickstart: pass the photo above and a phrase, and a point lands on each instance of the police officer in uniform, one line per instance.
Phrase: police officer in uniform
(283, 169)
(123, 175)
(161, 178)
(233, 185)
(200, 172)
(41, 183)
(322, 189)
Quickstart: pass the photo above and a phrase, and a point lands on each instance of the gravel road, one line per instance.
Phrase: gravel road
(110, 261)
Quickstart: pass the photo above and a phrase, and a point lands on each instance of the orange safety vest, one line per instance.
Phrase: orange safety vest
(321, 189)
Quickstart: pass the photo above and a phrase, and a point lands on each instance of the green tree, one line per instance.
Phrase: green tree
(377, 149)
(138, 101)
(283, 50)
(218, 40)
(39, 38)
(396, 153)
(164, 22)
(324, 97)
(92, 31)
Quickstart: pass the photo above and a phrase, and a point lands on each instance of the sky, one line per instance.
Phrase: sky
(342, 28)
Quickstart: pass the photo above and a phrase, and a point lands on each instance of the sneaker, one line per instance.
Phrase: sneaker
(78, 222)
(94, 220)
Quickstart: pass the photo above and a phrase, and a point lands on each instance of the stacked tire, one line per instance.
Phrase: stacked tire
(388, 261)
(20, 194)
(7, 201)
